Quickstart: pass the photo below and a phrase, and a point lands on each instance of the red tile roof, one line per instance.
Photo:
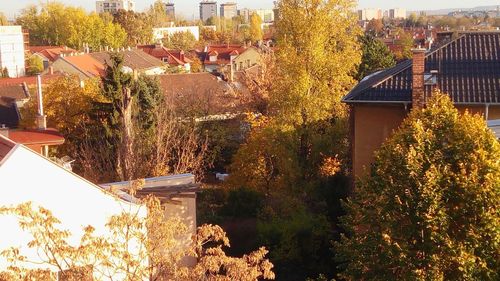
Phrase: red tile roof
(223, 53)
(29, 80)
(6, 146)
(36, 137)
(87, 64)
(174, 57)
(51, 52)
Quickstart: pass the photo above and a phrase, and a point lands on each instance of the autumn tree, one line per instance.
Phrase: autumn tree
(429, 208)
(181, 41)
(294, 152)
(34, 65)
(157, 255)
(404, 44)
(376, 56)
(56, 24)
(139, 26)
(375, 27)
(255, 28)
(3, 19)
(158, 14)
(67, 105)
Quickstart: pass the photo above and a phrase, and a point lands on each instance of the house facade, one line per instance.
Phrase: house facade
(466, 68)
(218, 58)
(12, 51)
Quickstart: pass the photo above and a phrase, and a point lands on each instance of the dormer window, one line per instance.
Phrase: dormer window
(430, 78)
(213, 56)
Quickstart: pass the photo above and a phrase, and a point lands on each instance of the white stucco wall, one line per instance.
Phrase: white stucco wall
(28, 177)
(162, 32)
(12, 50)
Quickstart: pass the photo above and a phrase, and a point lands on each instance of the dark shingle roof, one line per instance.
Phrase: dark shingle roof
(9, 95)
(468, 70)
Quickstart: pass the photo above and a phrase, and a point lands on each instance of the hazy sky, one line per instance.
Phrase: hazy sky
(188, 8)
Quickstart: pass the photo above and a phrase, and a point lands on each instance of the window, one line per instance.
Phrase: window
(430, 78)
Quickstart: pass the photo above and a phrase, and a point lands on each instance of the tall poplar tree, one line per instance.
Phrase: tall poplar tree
(430, 208)
(295, 154)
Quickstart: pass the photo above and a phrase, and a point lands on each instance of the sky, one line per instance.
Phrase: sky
(188, 8)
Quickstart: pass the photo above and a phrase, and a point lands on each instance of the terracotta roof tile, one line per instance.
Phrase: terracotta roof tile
(29, 80)
(6, 146)
(36, 137)
(87, 64)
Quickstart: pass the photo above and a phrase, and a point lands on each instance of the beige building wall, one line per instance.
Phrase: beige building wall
(373, 124)
(247, 59)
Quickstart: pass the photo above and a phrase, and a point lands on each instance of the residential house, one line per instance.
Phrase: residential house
(200, 94)
(13, 96)
(466, 68)
(93, 65)
(174, 58)
(177, 193)
(29, 177)
(161, 33)
(12, 51)
(77, 202)
(49, 54)
(218, 58)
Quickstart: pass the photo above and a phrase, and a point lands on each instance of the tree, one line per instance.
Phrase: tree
(158, 14)
(255, 28)
(3, 19)
(293, 151)
(404, 43)
(67, 106)
(376, 56)
(139, 26)
(429, 208)
(135, 133)
(157, 255)
(375, 27)
(56, 24)
(34, 65)
(181, 41)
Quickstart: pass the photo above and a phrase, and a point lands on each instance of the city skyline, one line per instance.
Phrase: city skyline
(189, 9)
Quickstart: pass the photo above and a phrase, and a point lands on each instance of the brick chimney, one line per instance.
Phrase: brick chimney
(418, 69)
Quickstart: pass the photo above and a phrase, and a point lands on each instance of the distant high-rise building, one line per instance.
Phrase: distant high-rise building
(397, 13)
(245, 13)
(208, 9)
(369, 14)
(113, 6)
(267, 15)
(228, 10)
(170, 10)
(12, 50)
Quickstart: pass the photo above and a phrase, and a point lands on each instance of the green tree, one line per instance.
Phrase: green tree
(376, 56)
(34, 65)
(255, 28)
(429, 209)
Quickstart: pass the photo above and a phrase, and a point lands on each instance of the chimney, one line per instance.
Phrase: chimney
(51, 70)
(4, 131)
(41, 118)
(418, 69)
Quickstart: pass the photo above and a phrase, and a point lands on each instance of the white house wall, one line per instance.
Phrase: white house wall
(28, 177)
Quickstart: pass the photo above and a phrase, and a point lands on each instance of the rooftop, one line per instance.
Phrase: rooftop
(467, 69)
